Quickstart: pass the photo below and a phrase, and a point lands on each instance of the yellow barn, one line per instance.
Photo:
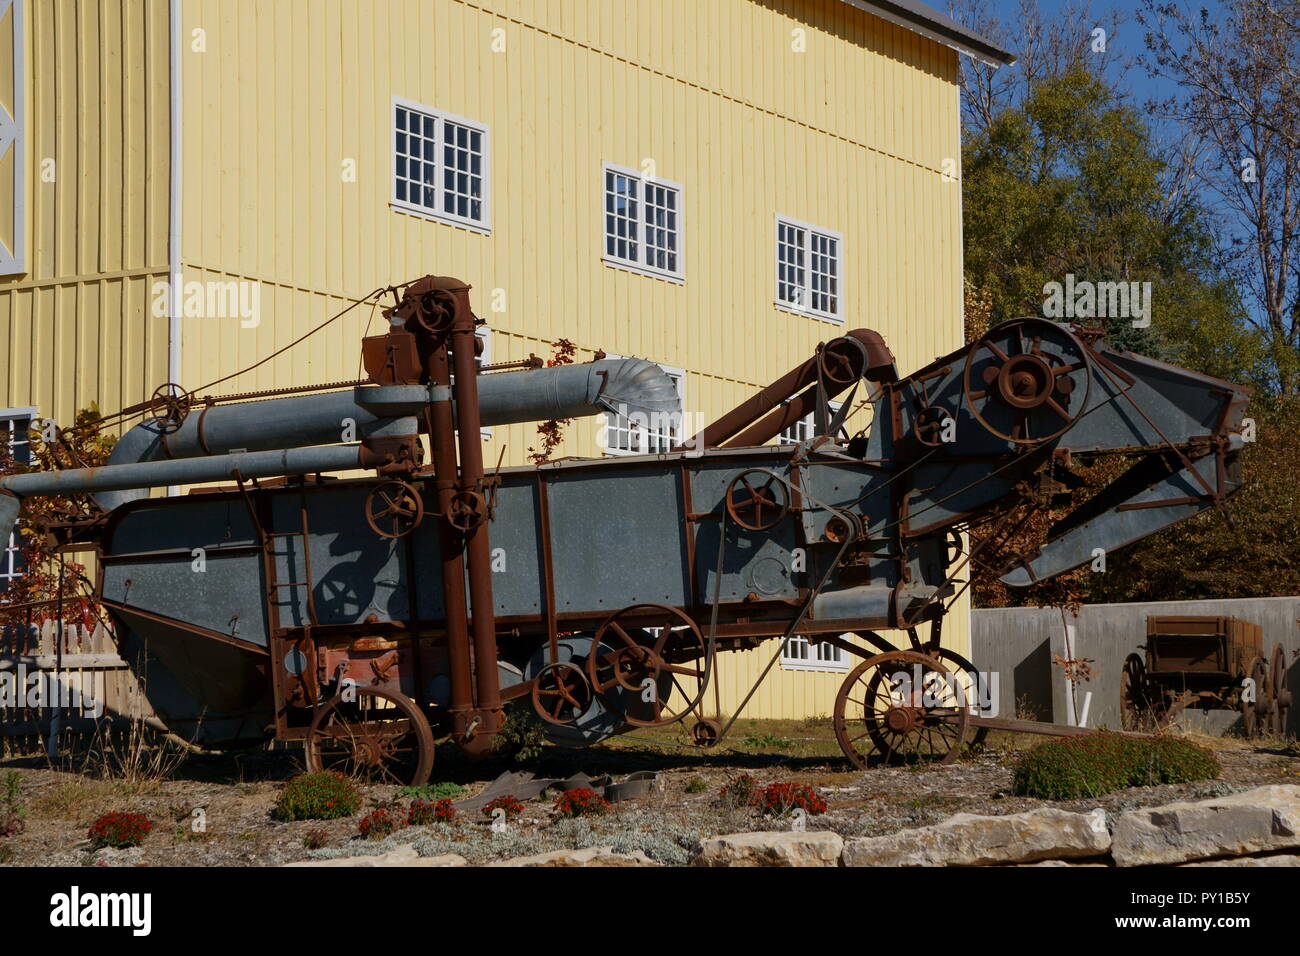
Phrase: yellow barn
(198, 183)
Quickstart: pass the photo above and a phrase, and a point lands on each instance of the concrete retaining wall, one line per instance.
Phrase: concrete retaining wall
(1020, 644)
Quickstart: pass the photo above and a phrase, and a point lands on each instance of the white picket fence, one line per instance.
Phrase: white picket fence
(52, 688)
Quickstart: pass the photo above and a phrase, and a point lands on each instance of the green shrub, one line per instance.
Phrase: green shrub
(443, 790)
(318, 796)
(522, 736)
(697, 785)
(1102, 763)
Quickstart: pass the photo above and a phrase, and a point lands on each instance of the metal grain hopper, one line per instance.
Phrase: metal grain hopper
(369, 616)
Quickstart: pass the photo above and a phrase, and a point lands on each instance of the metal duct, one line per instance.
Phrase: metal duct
(563, 391)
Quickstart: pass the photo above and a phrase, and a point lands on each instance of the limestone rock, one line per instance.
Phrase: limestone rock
(967, 839)
(1256, 821)
(589, 856)
(770, 848)
(402, 856)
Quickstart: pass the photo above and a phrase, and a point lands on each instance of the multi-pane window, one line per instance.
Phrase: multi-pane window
(808, 269)
(440, 165)
(802, 654)
(803, 429)
(15, 427)
(643, 222)
(646, 434)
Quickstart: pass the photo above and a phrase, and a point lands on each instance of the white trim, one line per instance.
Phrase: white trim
(838, 666)
(13, 129)
(482, 225)
(176, 264)
(677, 276)
(834, 318)
(485, 333)
(679, 374)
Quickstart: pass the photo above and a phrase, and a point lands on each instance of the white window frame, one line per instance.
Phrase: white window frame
(11, 546)
(13, 141)
(807, 421)
(679, 377)
(440, 117)
(484, 358)
(809, 231)
(678, 275)
(822, 657)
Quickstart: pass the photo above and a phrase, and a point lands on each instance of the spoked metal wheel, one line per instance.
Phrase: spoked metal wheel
(1134, 707)
(378, 736)
(1255, 712)
(967, 679)
(1278, 692)
(898, 707)
(652, 670)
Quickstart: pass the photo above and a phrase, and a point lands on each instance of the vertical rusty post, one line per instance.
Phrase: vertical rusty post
(473, 500)
(442, 444)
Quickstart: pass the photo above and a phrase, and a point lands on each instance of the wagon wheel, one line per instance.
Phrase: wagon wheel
(1019, 378)
(379, 736)
(561, 693)
(662, 653)
(966, 676)
(394, 509)
(1278, 693)
(169, 405)
(880, 701)
(757, 499)
(1134, 705)
(1257, 706)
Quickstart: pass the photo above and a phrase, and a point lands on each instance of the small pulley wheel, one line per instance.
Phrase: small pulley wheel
(169, 406)
(561, 693)
(394, 509)
(437, 311)
(757, 499)
(706, 733)
(467, 510)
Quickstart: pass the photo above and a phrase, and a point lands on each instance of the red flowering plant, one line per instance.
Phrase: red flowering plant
(380, 823)
(119, 829)
(325, 795)
(430, 811)
(739, 791)
(580, 802)
(778, 799)
(507, 804)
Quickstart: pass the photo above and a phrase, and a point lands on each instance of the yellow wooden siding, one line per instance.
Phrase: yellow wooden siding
(850, 135)
(77, 327)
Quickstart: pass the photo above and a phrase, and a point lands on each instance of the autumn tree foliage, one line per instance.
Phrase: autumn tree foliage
(48, 576)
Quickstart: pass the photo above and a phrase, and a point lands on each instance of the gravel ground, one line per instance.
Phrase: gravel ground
(236, 796)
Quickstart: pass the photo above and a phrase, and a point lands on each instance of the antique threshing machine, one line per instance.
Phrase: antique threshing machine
(1214, 663)
(367, 617)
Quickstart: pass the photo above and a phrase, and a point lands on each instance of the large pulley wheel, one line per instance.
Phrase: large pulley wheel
(652, 670)
(561, 693)
(842, 361)
(376, 735)
(757, 499)
(1278, 693)
(394, 509)
(169, 406)
(900, 706)
(1134, 705)
(1027, 380)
